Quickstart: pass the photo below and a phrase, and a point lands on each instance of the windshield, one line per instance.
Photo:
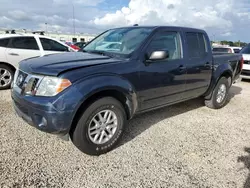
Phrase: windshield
(245, 50)
(121, 41)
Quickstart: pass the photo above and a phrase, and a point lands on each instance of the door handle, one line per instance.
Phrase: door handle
(181, 67)
(14, 54)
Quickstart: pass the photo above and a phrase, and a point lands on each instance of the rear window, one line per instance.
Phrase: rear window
(197, 46)
(245, 50)
(4, 42)
(236, 51)
(225, 50)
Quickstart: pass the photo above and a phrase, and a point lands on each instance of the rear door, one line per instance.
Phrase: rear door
(3, 47)
(52, 47)
(21, 48)
(199, 64)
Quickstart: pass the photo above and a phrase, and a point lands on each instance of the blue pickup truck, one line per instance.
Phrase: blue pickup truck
(88, 96)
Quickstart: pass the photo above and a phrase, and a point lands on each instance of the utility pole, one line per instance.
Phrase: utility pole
(46, 24)
(74, 19)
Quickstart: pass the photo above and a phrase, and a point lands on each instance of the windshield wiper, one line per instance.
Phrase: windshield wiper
(100, 53)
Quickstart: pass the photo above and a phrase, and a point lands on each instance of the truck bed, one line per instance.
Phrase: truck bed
(234, 61)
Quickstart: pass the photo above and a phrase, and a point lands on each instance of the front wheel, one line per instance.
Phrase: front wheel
(219, 95)
(100, 127)
(6, 76)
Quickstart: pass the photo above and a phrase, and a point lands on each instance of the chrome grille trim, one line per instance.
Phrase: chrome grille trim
(32, 81)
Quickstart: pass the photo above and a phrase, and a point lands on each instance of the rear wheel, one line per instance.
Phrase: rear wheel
(100, 126)
(6, 76)
(219, 95)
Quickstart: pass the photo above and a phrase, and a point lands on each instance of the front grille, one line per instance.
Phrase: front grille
(27, 83)
(21, 77)
(34, 84)
(247, 62)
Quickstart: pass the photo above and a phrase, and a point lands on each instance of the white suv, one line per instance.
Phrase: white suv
(229, 49)
(245, 74)
(16, 47)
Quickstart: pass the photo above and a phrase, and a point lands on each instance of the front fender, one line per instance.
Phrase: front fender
(98, 83)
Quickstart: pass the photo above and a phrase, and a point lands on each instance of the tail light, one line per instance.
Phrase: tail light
(241, 63)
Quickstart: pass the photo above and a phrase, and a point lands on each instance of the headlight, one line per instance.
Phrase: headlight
(50, 86)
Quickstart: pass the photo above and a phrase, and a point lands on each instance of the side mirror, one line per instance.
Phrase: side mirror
(158, 55)
(70, 50)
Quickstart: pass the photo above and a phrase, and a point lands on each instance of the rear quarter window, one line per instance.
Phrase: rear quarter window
(245, 50)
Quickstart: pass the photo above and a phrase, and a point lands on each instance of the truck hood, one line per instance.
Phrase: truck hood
(55, 64)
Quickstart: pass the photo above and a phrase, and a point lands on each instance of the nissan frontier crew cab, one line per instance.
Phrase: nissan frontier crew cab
(88, 96)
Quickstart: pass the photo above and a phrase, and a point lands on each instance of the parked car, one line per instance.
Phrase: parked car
(15, 48)
(72, 45)
(90, 95)
(227, 49)
(245, 74)
(80, 44)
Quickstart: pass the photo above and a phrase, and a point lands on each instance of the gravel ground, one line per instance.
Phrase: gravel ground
(185, 145)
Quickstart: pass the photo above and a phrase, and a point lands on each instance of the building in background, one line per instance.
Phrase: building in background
(78, 37)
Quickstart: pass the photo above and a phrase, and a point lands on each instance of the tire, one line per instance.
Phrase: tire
(6, 76)
(213, 102)
(81, 135)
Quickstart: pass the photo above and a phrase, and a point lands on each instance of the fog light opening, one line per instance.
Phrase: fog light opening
(43, 123)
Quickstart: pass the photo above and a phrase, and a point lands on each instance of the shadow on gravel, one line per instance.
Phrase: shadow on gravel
(246, 80)
(144, 121)
(246, 160)
(234, 90)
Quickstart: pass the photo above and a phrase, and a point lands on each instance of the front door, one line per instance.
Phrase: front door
(163, 81)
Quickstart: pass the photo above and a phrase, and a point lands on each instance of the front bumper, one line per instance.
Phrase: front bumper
(49, 114)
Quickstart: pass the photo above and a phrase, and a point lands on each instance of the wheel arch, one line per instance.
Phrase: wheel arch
(126, 101)
(227, 73)
(9, 65)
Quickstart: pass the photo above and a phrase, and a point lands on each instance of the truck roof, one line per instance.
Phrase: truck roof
(157, 27)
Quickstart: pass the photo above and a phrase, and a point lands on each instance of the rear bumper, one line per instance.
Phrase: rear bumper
(245, 77)
(52, 115)
(245, 74)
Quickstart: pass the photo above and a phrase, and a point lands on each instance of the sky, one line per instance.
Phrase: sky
(222, 19)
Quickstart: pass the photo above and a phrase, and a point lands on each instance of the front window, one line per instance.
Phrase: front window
(167, 40)
(51, 45)
(121, 41)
